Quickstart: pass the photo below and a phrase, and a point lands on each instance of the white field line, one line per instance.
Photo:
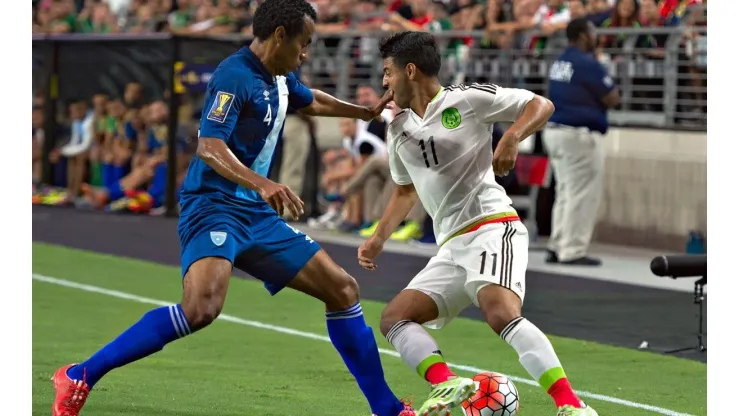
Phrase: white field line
(289, 331)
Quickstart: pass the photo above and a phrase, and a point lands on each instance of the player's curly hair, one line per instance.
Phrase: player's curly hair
(289, 14)
(418, 48)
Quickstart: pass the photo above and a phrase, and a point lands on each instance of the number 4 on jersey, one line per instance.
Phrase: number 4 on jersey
(268, 116)
(424, 151)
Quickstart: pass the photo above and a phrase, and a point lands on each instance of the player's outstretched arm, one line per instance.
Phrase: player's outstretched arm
(403, 199)
(324, 105)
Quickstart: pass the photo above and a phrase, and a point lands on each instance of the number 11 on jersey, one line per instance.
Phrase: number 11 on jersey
(424, 151)
(483, 257)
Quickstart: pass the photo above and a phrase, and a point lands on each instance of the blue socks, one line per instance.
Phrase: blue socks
(355, 342)
(154, 330)
(118, 173)
(112, 174)
(108, 175)
(159, 184)
(115, 191)
(349, 334)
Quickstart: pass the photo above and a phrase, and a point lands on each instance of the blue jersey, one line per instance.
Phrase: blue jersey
(156, 137)
(245, 106)
(578, 83)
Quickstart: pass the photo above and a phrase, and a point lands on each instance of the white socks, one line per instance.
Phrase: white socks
(417, 348)
(535, 351)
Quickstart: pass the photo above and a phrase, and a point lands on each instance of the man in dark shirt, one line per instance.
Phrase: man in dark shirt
(582, 92)
(296, 149)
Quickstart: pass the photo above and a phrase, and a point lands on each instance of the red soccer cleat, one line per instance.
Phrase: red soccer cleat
(70, 394)
(407, 409)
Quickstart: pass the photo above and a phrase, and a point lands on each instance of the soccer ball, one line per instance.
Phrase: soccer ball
(495, 395)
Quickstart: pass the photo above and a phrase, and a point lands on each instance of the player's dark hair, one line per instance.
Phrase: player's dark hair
(576, 28)
(289, 14)
(418, 48)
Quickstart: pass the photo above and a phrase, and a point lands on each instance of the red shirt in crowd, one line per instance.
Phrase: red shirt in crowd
(668, 7)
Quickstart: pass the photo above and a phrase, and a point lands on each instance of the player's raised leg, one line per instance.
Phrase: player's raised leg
(323, 279)
(400, 323)
(501, 307)
(204, 291)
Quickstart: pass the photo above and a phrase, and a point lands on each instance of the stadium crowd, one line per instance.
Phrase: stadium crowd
(502, 19)
(110, 152)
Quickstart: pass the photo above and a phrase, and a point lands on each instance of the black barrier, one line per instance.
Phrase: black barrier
(74, 67)
(173, 68)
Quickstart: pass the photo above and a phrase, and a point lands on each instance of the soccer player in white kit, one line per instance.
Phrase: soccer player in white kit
(439, 149)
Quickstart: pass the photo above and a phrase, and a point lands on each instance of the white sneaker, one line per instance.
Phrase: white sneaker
(324, 220)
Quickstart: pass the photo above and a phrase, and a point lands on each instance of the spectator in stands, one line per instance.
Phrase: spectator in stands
(121, 143)
(548, 18)
(368, 96)
(357, 146)
(333, 17)
(625, 15)
(296, 147)
(598, 6)
(37, 141)
(372, 175)
(143, 21)
(157, 133)
(133, 95)
(76, 151)
(57, 16)
(120, 194)
(650, 17)
(576, 10)
(597, 11)
(581, 91)
(414, 15)
(182, 16)
(373, 181)
(496, 13)
(225, 19)
(524, 14)
(100, 146)
(673, 12)
(96, 18)
(134, 131)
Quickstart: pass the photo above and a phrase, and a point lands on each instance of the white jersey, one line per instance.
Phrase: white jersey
(352, 146)
(387, 115)
(448, 154)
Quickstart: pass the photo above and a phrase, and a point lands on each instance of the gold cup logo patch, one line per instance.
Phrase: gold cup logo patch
(222, 100)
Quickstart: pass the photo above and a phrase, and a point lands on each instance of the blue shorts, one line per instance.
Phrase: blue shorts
(258, 242)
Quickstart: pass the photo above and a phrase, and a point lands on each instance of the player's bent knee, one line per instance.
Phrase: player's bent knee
(205, 287)
(388, 318)
(344, 294)
(498, 315)
(409, 305)
(203, 312)
(499, 305)
(391, 315)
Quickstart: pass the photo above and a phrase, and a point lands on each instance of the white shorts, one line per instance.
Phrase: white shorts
(495, 253)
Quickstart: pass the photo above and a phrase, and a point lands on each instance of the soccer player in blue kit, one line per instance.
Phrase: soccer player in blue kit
(230, 215)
